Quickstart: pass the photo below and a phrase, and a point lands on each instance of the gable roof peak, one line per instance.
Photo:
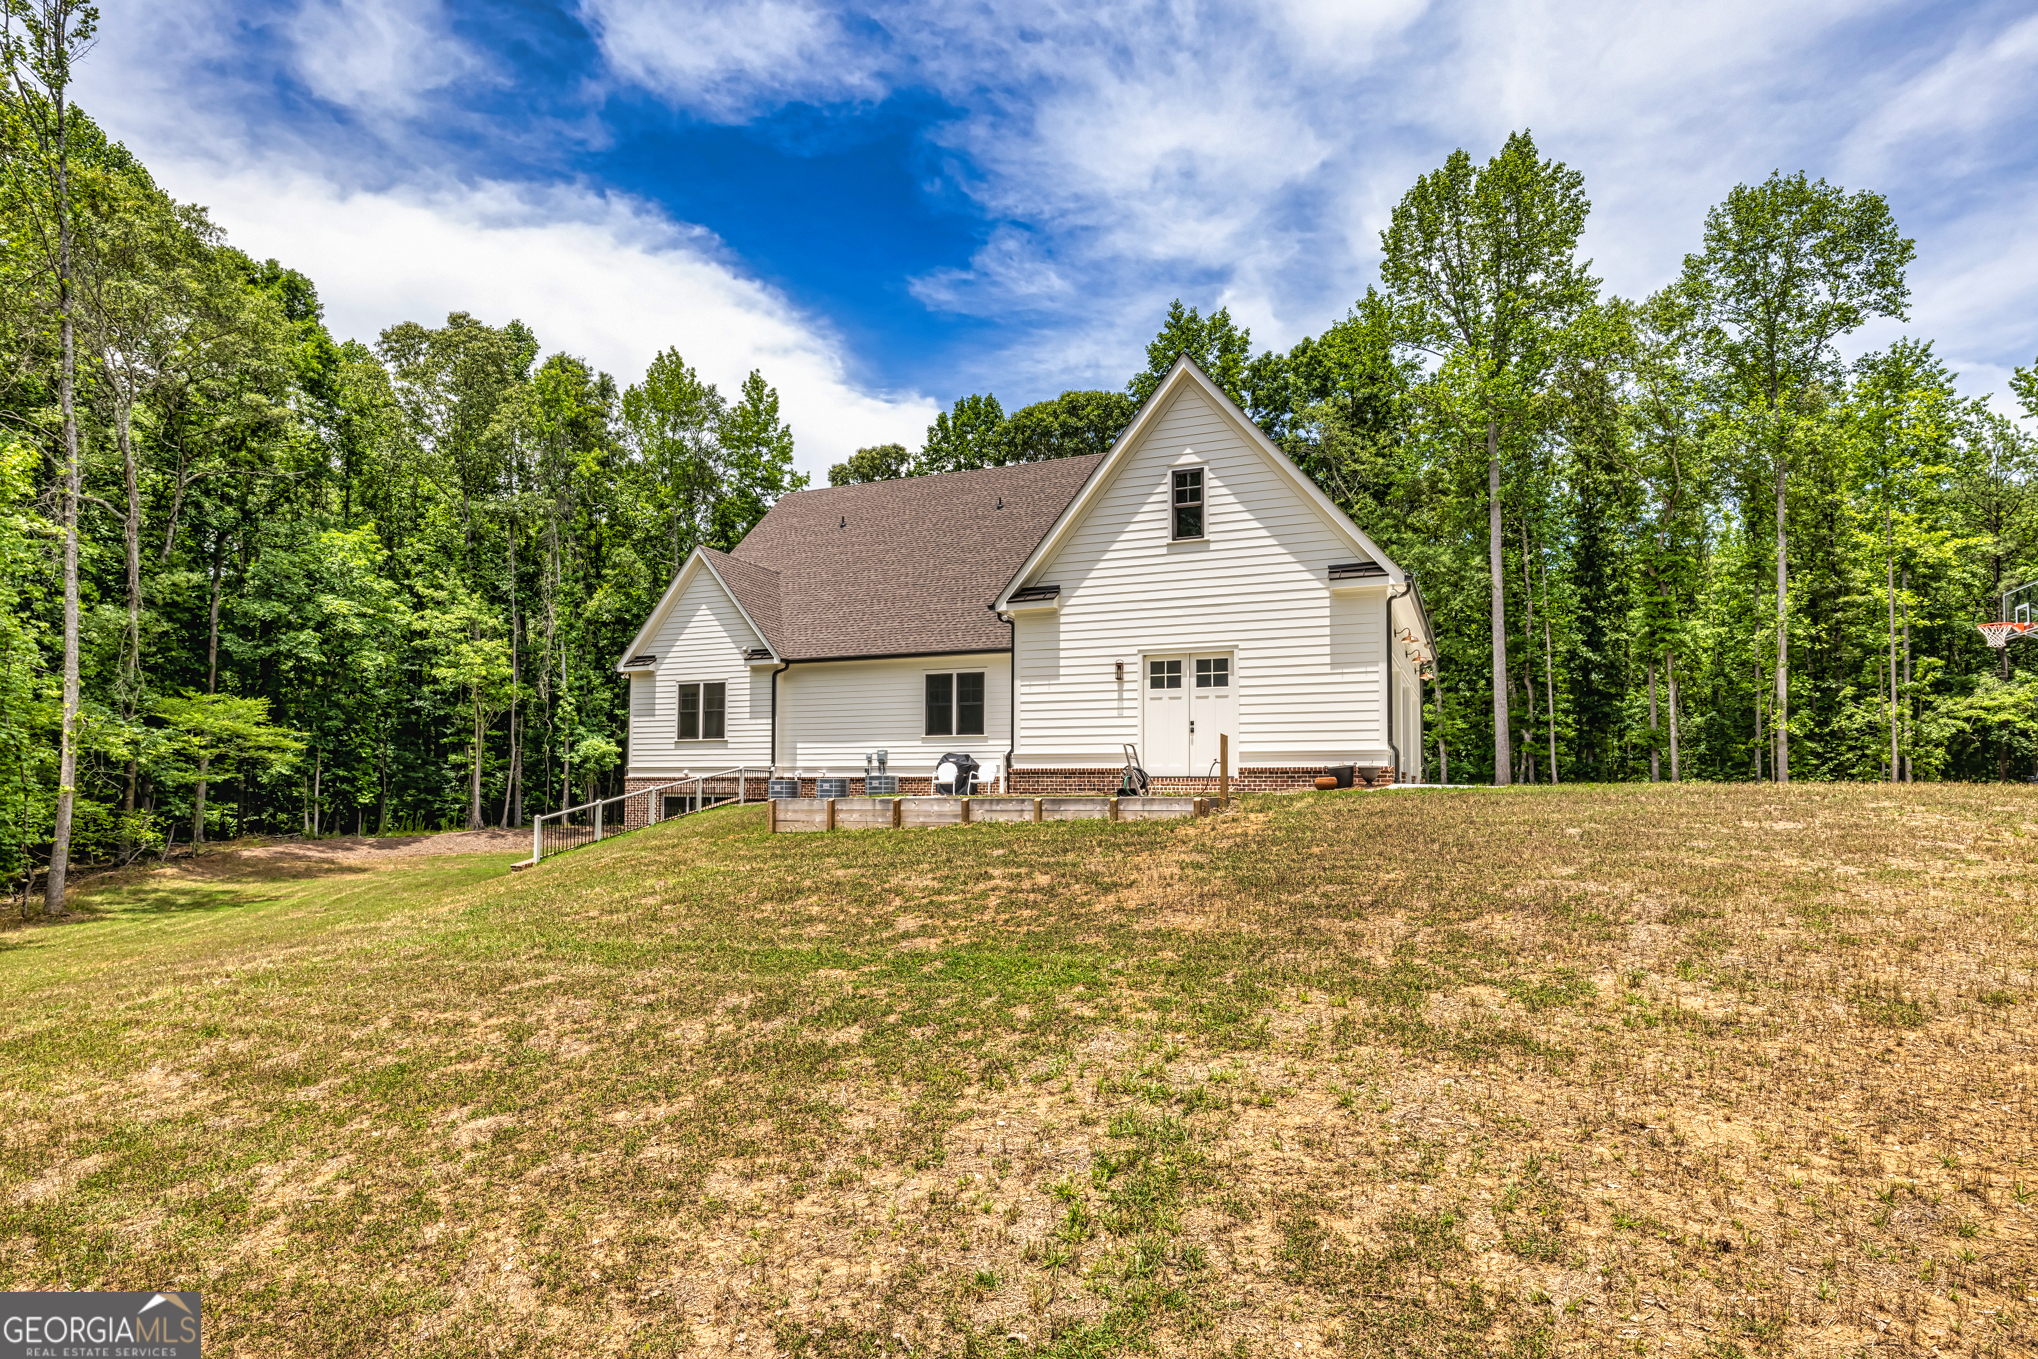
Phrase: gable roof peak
(1186, 372)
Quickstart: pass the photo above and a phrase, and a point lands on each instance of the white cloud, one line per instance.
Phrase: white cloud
(1135, 150)
(1124, 152)
(599, 276)
(729, 58)
(393, 237)
(1986, 81)
(378, 55)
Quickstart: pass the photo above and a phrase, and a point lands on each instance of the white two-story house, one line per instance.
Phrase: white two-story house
(1189, 584)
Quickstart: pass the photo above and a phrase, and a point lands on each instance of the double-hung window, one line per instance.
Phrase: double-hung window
(955, 703)
(1188, 502)
(703, 711)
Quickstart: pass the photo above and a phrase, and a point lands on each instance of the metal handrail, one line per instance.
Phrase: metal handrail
(566, 835)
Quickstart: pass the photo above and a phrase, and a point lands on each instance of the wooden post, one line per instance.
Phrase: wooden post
(771, 816)
(898, 812)
(1224, 769)
(1036, 810)
(1114, 809)
(965, 811)
(831, 814)
(1201, 807)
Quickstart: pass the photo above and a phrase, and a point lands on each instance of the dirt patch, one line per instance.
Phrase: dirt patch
(262, 859)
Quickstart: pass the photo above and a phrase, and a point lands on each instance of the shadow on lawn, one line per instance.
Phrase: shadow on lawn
(182, 899)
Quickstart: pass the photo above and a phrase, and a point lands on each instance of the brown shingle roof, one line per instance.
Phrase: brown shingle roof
(895, 568)
(755, 587)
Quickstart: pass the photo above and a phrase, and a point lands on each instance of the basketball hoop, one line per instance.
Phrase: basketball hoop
(2011, 620)
(1998, 635)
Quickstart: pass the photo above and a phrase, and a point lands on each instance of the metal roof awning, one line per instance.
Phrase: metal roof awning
(1350, 575)
(1035, 597)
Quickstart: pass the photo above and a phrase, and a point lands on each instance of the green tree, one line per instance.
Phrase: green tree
(1071, 425)
(879, 462)
(469, 652)
(1481, 272)
(757, 462)
(672, 422)
(967, 437)
(1902, 415)
(1221, 348)
(450, 383)
(41, 42)
(220, 735)
(1788, 266)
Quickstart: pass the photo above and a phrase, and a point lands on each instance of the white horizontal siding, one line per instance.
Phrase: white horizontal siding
(1407, 689)
(1310, 665)
(701, 638)
(832, 712)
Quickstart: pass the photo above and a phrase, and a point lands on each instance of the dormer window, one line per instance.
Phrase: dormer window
(1188, 504)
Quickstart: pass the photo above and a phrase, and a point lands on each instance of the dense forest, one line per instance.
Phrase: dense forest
(259, 580)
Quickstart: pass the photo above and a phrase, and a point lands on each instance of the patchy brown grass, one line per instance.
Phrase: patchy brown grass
(1696, 1070)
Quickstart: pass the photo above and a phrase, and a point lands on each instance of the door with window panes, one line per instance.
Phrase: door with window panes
(1190, 701)
(1213, 711)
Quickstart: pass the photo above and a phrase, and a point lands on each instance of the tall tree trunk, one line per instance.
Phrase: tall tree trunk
(1549, 682)
(1909, 698)
(129, 682)
(1655, 753)
(512, 793)
(1503, 747)
(1528, 659)
(211, 687)
(67, 523)
(1781, 712)
(1758, 719)
(1889, 579)
(1670, 676)
(474, 821)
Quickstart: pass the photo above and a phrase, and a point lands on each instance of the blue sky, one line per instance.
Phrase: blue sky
(885, 206)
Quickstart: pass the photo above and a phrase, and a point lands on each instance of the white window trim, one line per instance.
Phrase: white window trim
(1188, 656)
(1188, 465)
(953, 706)
(702, 712)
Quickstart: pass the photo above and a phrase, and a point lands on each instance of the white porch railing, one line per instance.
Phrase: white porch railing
(604, 819)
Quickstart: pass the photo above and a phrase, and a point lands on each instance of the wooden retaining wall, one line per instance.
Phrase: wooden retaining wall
(787, 815)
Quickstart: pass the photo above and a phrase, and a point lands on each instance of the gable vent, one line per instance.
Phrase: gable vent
(1036, 594)
(646, 659)
(1356, 570)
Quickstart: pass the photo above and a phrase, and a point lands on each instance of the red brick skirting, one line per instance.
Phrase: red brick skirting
(637, 810)
(1053, 782)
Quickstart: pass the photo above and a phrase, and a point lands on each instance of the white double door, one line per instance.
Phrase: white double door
(1190, 701)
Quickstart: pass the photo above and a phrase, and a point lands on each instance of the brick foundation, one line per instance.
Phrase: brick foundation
(1059, 782)
(910, 785)
(636, 811)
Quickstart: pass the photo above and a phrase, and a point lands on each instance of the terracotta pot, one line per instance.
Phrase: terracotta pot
(1326, 784)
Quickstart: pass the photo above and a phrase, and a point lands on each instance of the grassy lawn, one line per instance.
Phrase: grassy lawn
(1698, 1070)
